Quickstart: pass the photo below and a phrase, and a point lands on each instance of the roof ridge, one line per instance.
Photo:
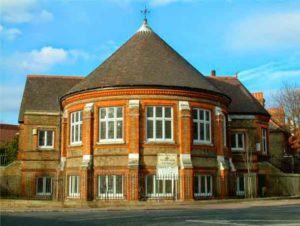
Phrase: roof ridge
(56, 76)
(223, 77)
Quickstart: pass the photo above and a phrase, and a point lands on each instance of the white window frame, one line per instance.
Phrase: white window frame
(74, 125)
(45, 140)
(240, 192)
(108, 193)
(115, 120)
(163, 119)
(74, 186)
(205, 193)
(44, 178)
(235, 134)
(205, 122)
(264, 142)
(155, 187)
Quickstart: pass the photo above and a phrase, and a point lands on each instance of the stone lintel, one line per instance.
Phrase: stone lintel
(184, 105)
(186, 161)
(134, 104)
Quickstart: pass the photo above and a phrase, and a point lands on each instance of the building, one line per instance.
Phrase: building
(7, 133)
(144, 124)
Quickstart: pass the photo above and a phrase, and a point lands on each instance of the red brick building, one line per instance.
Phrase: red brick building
(144, 124)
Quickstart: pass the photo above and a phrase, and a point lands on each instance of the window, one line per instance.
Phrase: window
(111, 124)
(43, 186)
(224, 131)
(159, 123)
(110, 186)
(202, 185)
(237, 142)
(76, 127)
(264, 141)
(202, 126)
(159, 188)
(240, 185)
(74, 185)
(46, 138)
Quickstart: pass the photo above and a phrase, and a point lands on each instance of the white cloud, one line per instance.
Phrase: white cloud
(41, 60)
(10, 33)
(152, 3)
(22, 11)
(10, 97)
(268, 30)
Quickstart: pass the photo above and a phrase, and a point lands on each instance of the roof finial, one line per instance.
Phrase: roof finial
(145, 12)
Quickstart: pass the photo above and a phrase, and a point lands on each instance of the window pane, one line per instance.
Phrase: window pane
(233, 143)
(168, 112)
(110, 112)
(102, 184)
(80, 132)
(158, 111)
(207, 116)
(40, 185)
(195, 114)
(208, 184)
(241, 183)
(195, 131)
(119, 112)
(102, 113)
(202, 184)
(48, 185)
(201, 131)
(168, 130)
(159, 186)
(149, 183)
(72, 134)
(76, 133)
(80, 116)
(41, 138)
(119, 185)
(149, 128)
(158, 129)
(102, 130)
(201, 114)
(110, 130)
(110, 184)
(49, 138)
(76, 116)
(196, 184)
(207, 132)
(119, 129)
(149, 111)
(240, 140)
(168, 186)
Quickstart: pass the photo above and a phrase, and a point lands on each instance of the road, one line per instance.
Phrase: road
(288, 215)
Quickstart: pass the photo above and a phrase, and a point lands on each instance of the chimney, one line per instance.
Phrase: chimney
(259, 96)
(277, 115)
(213, 72)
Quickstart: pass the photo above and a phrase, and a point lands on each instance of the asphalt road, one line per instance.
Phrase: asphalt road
(275, 215)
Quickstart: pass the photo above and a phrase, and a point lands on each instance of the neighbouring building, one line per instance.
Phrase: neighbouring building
(145, 124)
(7, 133)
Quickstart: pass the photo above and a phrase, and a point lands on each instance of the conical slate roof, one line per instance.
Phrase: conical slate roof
(145, 60)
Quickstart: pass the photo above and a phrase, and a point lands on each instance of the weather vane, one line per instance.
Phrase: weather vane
(145, 12)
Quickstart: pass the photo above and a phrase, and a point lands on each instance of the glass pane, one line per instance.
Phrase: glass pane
(72, 134)
(207, 132)
(168, 130)
(80, 116)
(196, 184)
(159, 129)
(102, 184)
(168, 186)
(195, 131)
(76, 117)
(110, 112)
(233, 143)
(102, 130)
(41, 138)
(119, 130)
(80, 132)
(149, 184)
(149, 111)
(158, 111)
(201, 114)
(48, 185)
(201, 131)
(149, 129)
(159, 186)
(40, 185)
(241, 183)
(208, 184)
(195, 114)
(110, 184)
(119, 186)
(240, 140)
(202, 184)
(168, 112)
(76, 133)
(49, 138)
(207, 116)
(72, 117)
(102, 113)
(110, 130)
(119, 112)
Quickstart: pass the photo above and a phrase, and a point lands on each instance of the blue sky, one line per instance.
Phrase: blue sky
(260, 39)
